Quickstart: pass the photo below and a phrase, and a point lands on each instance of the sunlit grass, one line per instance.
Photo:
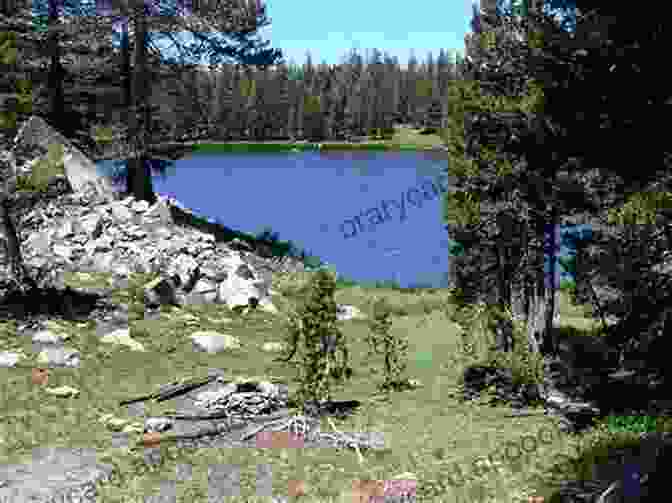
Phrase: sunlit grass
(429, 430)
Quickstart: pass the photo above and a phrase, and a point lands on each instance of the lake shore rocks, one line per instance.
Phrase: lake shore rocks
(78, 230)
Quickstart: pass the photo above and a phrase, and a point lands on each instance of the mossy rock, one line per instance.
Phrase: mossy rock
(43, 171)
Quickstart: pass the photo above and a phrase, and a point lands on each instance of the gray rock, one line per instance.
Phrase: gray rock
(187, 261)
(42, 479)
(345, 312)
(31, 144)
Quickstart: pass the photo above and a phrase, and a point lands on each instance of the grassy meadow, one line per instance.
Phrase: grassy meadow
(428, 430)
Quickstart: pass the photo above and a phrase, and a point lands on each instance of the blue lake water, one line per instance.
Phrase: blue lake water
(373, 215)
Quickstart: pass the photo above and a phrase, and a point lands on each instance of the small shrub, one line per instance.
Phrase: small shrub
(393, 349)
(138, 332)
(398, 311)
(292, 284)
(323, 354)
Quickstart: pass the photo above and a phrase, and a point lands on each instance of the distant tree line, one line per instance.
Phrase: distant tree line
(79, 79)
(317, 102)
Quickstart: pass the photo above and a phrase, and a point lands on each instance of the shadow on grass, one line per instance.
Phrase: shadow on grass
(66, 304)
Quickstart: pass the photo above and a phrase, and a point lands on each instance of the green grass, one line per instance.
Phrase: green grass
(441, 432)
(404, 139)
(637, 424)
(429, 429)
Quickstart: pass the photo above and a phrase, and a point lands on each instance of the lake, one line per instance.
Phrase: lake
(374, 215)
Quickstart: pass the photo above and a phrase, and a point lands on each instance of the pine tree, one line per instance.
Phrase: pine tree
(622, 261)
(224, 95)
(244, 50)
(507, 159)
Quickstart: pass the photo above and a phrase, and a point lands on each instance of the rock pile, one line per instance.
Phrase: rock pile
(244, 398)
(69, 233)
(79, 224)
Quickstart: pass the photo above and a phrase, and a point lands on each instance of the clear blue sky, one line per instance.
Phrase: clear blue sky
(329, 30)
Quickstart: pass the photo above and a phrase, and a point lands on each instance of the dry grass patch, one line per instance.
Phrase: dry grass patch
(410, 136)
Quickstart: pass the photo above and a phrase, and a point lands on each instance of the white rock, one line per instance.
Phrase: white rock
(214, 342)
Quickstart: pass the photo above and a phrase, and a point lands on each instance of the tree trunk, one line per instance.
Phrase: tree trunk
(520, 285)
(504, 327)
(56, 73)
(536, 319)
(543, 317)
(519, 301)
(16, 278)
(552, 288)
(139, 180)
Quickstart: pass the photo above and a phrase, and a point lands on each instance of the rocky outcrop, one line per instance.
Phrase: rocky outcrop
(31, 145)
(79, 225)
(30, 151)
(77, 232)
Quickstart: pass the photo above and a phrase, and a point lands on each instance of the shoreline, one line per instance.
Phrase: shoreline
(174, 151)
(300, 143)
